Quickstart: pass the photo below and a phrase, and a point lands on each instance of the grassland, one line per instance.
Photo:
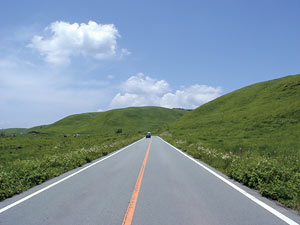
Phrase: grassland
(131, 120)
(252, 134)
(13, 131)
(32, 158)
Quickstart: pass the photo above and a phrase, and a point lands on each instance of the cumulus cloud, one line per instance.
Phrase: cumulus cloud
(64, 40)
(190, 97)
(141, 90)
(141, 84)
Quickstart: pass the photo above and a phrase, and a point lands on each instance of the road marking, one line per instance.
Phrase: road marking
(262, 204)
(63, 179)
(135, 194)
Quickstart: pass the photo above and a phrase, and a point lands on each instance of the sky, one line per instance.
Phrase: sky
(59, 58)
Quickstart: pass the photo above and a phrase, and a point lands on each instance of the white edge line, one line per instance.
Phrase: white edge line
(63, 179)
(262, 204)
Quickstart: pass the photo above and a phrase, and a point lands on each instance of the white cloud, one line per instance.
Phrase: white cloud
(128, 99)
(65, 40)
(31, 95)
(141, 90)
(190, 97)
(141, 84)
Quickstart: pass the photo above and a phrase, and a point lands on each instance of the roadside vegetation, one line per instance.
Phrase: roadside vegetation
(252, 135)
(29, 157)
(30, 160)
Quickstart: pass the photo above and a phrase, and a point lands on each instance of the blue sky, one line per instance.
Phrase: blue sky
(64, 57)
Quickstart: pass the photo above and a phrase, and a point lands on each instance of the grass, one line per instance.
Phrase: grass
(29, 159)
(131, 120)
(252, 134)
(13, 131)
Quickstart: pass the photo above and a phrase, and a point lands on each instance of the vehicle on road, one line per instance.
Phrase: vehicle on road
(148, 135)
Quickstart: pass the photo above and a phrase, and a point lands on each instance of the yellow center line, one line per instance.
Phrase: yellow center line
(134, 197)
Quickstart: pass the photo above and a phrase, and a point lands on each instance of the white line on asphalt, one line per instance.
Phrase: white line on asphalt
(262, 204)
(63, 179)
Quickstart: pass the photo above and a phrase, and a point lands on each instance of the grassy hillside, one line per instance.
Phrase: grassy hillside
(252, 134)
(263, 116)
(32, 158)
(130, 120)
(14, 131)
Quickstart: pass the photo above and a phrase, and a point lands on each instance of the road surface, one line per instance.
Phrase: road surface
(174, 190)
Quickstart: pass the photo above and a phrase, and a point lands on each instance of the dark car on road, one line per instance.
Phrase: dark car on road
(148, 135)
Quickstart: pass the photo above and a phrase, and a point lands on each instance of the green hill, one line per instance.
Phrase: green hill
(14, 131)
(252, 134)
(131, 120)
(263, 117)
(47, 151)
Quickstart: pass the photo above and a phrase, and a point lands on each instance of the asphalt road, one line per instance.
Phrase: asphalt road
(174, 190)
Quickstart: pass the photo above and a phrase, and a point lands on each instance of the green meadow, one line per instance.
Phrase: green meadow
(31, 156)
(252, 135)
